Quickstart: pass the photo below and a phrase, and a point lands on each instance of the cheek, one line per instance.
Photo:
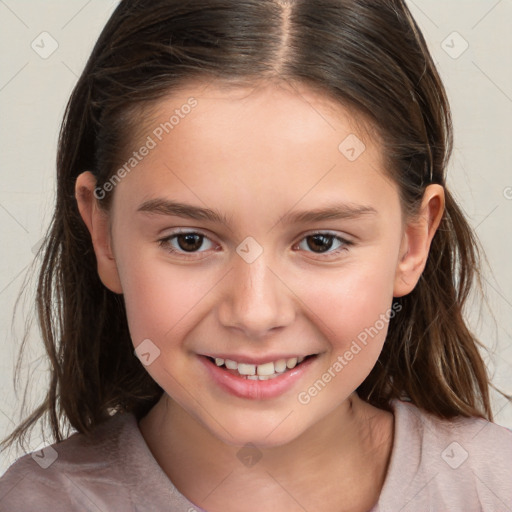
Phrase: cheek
(353, 315)
(353, 306)
(160, 297)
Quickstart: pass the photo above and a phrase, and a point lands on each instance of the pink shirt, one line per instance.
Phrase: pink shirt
(464, 465)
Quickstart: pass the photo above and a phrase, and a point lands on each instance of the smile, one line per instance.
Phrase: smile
(264, 371)
(257, 381)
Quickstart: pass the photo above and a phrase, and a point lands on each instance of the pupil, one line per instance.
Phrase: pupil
(322, 242)
(194, 242)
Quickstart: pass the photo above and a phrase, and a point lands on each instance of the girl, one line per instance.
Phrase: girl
(252, 289)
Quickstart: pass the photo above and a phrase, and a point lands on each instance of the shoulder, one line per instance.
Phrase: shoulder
(457, 464)
(75, 474)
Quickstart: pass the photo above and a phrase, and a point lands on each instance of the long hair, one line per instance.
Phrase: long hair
(371, 57)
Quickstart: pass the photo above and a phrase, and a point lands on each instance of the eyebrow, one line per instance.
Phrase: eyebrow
(334, 212)
(186, 211)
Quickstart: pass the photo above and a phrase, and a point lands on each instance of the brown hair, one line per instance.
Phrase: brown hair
(367, 55)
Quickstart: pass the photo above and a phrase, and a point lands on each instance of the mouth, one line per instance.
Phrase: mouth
(265, 371)
(263, 381)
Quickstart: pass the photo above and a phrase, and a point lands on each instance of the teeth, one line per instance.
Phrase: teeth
(261, 371)
(262, 377)
(247, 369)
(265, 369)
(280, 366)
(291, 363)
(231, 365)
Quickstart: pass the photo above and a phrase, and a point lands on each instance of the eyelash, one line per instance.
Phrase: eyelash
(165, 243)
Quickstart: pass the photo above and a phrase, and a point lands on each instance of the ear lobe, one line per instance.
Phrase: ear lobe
(416, 241)
(98, 224)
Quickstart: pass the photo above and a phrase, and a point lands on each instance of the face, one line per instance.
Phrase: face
(286, 243)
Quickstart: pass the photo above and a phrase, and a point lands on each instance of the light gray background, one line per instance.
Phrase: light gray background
(34, 92)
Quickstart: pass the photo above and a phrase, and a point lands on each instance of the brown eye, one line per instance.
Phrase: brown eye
(324, 243)
(320, 243)
(183, 243)
(190, 242)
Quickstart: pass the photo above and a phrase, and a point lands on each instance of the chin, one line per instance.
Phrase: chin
(263, 434)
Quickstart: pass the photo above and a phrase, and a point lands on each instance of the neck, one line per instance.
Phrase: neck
(348, 449)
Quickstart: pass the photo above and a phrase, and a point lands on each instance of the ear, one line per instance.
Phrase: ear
(416, 240)
(98, 224)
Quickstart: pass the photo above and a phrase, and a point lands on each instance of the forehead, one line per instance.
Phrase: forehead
(286, 106)
(279, 140)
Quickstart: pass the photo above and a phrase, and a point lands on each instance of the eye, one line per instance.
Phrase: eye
(322, 243)
(185, 242)
(189, 243)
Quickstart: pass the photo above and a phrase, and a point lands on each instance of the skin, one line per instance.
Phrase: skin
(255, 155)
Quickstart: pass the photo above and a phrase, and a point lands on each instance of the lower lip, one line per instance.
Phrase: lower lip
(256, 389)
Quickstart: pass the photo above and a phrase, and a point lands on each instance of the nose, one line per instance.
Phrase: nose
(255, 300)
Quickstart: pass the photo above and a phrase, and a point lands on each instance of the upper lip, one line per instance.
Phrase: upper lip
(245, 359)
